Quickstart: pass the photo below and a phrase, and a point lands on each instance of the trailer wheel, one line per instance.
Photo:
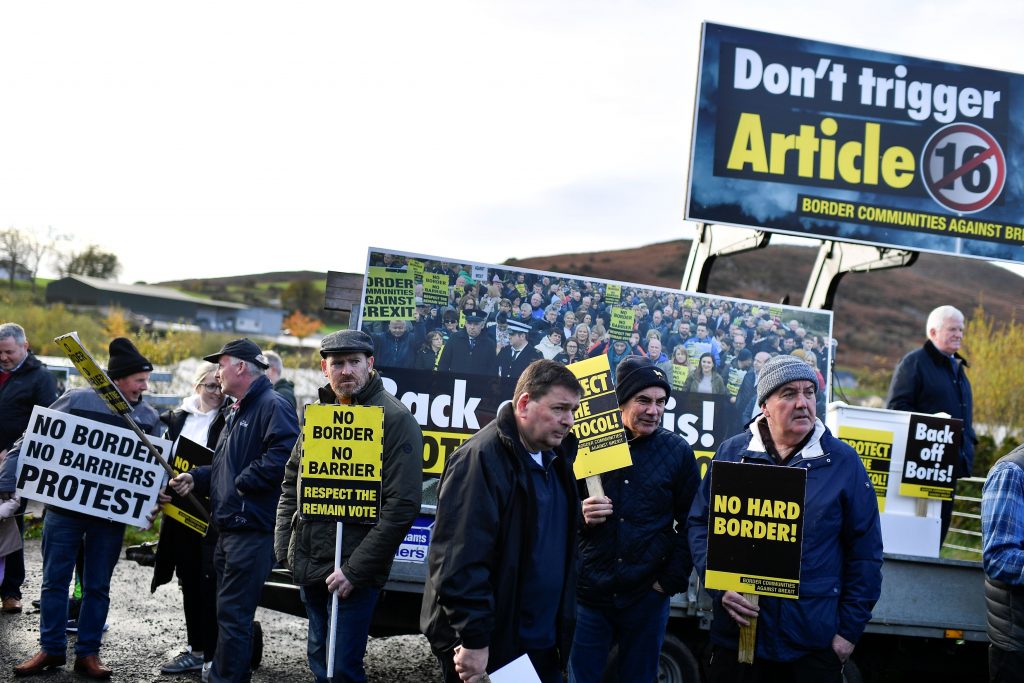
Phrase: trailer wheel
(851, 674)
(676, 663)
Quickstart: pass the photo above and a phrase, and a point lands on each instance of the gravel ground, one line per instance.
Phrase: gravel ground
(146, 629)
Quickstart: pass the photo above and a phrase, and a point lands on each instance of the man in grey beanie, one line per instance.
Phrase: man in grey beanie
(813, 637)
(641, 517)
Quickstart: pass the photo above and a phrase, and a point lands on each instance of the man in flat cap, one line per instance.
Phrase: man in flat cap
(469, 351)
(367, 552)
(809, 639)
(642, 517)
(244, 484)
(65, 531)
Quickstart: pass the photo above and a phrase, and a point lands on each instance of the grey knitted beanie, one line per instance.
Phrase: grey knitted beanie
(782, 370)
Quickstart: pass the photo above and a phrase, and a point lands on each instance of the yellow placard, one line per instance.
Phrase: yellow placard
(598, 426)
(874, 446)
(621, 323)
(97, 379)
(613, 294)
(389, 295)
(340, 470)
(679, 375)
(416, 269)
(435, 289)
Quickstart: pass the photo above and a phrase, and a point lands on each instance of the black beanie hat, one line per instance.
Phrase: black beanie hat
(125, 359)
(636, 373)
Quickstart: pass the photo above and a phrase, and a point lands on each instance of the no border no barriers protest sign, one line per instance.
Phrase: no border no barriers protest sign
(89, 467)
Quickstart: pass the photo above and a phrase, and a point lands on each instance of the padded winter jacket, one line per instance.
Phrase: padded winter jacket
(620, 559)
(244, 481)
(367, 551)
(841, 563)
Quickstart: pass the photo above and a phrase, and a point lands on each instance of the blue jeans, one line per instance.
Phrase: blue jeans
(638, 629)
(354, 615)
(63, 535)
(243, 562)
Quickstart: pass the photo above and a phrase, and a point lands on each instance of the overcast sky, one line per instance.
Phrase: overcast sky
(200, 139)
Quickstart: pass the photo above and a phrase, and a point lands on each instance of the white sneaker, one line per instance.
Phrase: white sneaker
(205, 675)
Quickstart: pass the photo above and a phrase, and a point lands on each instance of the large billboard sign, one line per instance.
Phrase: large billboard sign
(454, 386)
(816, 139)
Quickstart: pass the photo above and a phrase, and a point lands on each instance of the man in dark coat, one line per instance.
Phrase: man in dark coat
(24, 384)
(244, 484)
(932, 379)
(500, 568)
(642, 517)
(469, 351)
(396, 348)
(308, 546)
(517, 356)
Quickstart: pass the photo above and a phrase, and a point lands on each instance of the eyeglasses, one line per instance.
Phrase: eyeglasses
(211, 386)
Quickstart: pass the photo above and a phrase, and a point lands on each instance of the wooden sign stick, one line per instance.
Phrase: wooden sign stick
(594, 487)
(748, 635)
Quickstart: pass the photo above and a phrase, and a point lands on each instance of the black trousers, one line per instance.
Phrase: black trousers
(822, 666)
(1005, 666)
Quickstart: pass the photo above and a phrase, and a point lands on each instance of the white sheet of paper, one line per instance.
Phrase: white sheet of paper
(517, 671)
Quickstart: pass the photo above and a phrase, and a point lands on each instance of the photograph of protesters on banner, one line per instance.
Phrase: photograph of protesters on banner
(451, 337)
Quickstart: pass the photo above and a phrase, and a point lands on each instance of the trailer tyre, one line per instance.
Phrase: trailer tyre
(676, 663)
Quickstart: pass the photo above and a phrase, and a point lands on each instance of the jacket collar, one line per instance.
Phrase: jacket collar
(811, 450)
(508, 432)
(258, 386)
(934, 352)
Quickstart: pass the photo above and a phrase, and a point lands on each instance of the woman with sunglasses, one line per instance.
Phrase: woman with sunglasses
(182, 550)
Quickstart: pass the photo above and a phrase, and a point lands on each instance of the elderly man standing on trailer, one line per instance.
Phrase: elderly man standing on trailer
(933, 379)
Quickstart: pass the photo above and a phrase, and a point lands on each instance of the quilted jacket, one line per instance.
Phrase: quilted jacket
(620, 560)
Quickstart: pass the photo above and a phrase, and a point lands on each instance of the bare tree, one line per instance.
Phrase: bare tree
(16, 250)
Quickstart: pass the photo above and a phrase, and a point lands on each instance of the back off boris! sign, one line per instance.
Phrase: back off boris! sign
(89, 467)
(933, 451)
(340, 470)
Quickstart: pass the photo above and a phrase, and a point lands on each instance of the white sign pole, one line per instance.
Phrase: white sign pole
(332, 641)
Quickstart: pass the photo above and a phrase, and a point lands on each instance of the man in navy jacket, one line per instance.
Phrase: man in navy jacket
(932, 379)
(811, 638)
(244, 484)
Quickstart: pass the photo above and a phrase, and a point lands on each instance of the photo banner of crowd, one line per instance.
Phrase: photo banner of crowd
(451, 338)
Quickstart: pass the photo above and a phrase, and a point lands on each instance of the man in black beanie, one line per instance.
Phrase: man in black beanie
(632, 559)
(64, 531)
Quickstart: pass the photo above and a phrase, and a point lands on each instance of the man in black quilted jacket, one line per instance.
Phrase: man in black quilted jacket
(631, 558)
